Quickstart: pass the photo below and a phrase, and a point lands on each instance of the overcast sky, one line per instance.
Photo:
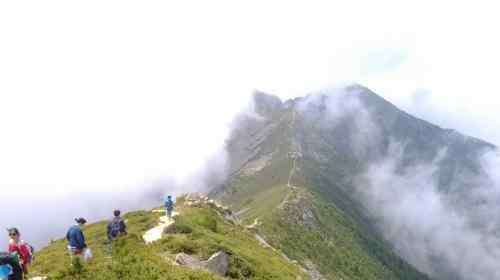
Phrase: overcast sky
(101, 95)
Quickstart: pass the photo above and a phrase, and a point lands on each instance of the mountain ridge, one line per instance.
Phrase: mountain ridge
(329, 139)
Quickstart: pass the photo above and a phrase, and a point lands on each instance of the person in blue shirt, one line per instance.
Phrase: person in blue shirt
(169, 206)
(76, 239)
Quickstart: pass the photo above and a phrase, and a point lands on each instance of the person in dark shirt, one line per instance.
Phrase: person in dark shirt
(116, 226)
(169, 206)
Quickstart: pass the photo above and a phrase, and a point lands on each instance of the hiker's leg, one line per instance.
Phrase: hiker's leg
(108, 248)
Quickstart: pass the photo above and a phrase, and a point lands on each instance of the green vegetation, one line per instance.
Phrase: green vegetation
(309, 229)
(333, 243)
(199, 231)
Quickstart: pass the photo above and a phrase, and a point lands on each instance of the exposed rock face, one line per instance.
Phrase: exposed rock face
(218, 263)
(265, 104)
(300, 210)
(198, 200)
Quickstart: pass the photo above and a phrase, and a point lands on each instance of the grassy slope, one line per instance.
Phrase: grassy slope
(204, 232)
(340, 248)
(335, 244)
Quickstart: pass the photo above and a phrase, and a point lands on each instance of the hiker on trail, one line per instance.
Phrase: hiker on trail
(19, 248)
(10, 268)
(76, 240)
(116, 227)
(169, 206)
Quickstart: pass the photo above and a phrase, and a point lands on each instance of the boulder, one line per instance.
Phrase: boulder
(187, 260)
(254, 226)
(169, 229)
(218, 263)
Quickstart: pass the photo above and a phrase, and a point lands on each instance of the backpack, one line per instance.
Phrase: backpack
(115, 228)
(23, 246)
(169, 204)
(28, 248)
(10, 264)
(31, 249)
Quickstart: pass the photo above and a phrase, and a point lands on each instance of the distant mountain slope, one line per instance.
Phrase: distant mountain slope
(294, 167)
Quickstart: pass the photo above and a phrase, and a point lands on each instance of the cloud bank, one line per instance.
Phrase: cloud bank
(447, 234)
(426, 227)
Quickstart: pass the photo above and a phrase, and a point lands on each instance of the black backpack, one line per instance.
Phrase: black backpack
(13, 261)
(115, 228)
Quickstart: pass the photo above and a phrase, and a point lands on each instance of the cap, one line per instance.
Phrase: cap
(81, 220)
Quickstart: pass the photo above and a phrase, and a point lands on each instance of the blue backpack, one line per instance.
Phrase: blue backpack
(169, 204)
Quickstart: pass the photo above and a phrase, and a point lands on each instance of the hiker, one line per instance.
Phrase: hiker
(116, 227)
(169, 206)
(10, 268)
(19, 248)
(77, 246)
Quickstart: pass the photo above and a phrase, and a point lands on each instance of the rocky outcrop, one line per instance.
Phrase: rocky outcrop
(254, 226)
(218, 263)
(199, 200)
(313, 272)
(298, 209)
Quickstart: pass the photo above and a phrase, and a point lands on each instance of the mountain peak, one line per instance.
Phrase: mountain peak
(266, 104)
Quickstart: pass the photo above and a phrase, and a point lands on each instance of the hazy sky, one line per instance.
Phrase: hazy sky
(101, 95)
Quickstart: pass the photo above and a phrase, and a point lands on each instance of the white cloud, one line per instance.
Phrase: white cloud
(107, 95)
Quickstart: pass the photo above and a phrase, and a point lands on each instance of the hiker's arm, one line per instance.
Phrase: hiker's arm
(81, 239)
(123, 226)
(109, 231)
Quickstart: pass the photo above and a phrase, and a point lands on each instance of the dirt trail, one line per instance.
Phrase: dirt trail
(293, 154)
(156, 233)
(292, 170)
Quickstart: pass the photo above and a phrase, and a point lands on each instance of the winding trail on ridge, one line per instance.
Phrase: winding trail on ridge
(294, 154)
